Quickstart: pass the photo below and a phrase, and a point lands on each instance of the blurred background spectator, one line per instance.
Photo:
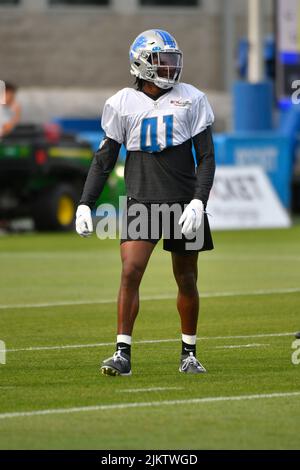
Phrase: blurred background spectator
(10, 112)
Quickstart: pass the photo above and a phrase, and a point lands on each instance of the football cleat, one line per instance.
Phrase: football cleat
(297, 335)
(118, 364)
(190, 365)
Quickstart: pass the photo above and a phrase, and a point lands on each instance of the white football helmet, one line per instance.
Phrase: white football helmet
(155, 57)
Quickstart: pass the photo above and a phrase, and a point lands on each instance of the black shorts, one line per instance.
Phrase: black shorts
(138, 225)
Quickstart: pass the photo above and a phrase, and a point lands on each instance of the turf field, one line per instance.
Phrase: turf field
(57, 318)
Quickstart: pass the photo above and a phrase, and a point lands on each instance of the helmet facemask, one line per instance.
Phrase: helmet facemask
(167, 68)
(161, 68)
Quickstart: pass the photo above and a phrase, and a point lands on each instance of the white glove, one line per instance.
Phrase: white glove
(84, 223)
(191, 217)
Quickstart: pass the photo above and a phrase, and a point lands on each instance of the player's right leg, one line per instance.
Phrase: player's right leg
(135, 255)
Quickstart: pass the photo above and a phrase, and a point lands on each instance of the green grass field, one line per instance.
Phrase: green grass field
(58, 319)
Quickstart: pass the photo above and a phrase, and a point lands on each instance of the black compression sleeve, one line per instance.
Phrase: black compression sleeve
(103, 163)
(205, 155)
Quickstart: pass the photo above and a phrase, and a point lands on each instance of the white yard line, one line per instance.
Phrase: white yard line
(252, 258)
(152, 389)
(146, 341)
(84, 254)
(63, 346)
(62, 303)
(240, 346)
(124, 406)
(260, 335)
(288, 290)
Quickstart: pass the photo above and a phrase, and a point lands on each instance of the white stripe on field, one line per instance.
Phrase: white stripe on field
(252, 258)
(239, 346)
(152, 389)
(145, 341)
(63, 303)
(124, 406)
(39, 255)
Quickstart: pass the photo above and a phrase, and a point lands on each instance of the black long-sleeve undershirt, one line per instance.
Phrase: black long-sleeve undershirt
(102, 165)
(205, 156)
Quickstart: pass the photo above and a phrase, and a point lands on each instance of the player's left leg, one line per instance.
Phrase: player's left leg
(185, 271)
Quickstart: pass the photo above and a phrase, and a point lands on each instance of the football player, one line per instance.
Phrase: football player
(158, 121)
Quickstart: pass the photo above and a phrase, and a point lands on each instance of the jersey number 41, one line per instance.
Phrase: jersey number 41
(149, 133)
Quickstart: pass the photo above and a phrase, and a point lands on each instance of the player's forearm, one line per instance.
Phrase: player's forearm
(102, 165)
(205, 155)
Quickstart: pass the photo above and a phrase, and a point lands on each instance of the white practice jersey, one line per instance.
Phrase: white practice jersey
(132, 118)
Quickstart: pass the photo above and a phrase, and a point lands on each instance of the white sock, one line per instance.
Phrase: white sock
(124, 339)
(187, 339)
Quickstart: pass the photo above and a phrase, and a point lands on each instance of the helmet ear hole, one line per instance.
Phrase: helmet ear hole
(148, 74)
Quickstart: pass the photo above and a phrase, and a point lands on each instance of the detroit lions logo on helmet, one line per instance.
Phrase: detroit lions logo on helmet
(140, 42)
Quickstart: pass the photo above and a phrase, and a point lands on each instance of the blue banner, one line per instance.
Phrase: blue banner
(269, 150)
